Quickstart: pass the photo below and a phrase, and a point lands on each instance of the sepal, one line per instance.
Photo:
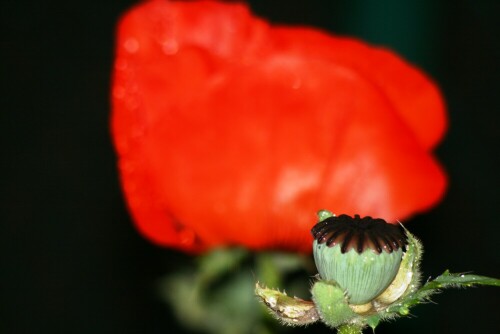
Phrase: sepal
(291, 311)
(331, 303)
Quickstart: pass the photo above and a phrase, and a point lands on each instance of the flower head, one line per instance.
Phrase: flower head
(362, 255)
(232, 131)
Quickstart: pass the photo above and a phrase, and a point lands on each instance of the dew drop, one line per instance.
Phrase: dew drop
(404, 310)
(131, 45)
(170, 47)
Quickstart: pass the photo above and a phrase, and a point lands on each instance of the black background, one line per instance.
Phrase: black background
(70, 259)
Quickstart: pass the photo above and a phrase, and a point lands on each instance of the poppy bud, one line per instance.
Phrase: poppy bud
(362, 255)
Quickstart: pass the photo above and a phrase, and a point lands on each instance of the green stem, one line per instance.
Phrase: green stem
(350, 329)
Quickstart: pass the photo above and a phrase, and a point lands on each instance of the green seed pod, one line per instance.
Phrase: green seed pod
(362, 255)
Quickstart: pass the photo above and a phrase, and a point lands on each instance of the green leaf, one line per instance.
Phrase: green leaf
(446, 280)
(449, 280)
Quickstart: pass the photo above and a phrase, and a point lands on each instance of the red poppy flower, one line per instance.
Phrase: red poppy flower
(232, 131)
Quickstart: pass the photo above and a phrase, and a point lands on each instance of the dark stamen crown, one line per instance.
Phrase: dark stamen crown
(359, 233)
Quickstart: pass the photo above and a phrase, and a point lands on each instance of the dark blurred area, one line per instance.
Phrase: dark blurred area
(70, 259)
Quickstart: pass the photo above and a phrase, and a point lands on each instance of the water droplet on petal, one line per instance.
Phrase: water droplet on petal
(131, 45)
(170, 47)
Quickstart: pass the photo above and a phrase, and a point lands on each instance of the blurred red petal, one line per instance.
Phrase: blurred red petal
(229, 131)
(410, 91)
